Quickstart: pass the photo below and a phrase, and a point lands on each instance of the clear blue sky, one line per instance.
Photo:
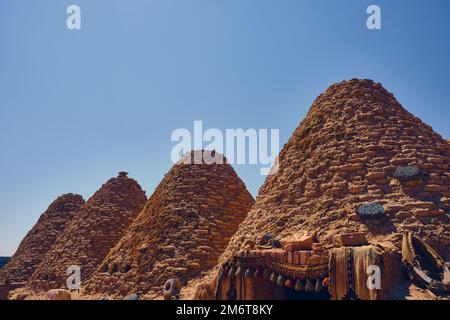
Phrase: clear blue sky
(76, 107)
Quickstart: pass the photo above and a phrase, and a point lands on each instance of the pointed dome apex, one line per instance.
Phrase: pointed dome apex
(123, 174)
(355, 86)
(202, 157)
(358, 94)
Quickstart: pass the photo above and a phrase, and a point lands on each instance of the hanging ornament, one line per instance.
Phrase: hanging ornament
(326, 282)
(280, 280)
(318, 287)
(223, 274)
(299, 285)
(232, 272)
(248, 273)
(273, 277)
(309, 287)
(257, 272)
(288, 283)
(238, 272)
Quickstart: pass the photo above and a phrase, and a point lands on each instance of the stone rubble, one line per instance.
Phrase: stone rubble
(58, 294)
(350, 239)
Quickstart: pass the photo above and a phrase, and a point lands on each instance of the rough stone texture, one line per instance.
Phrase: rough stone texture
(298, 242)
(184, 227)
(406, 173)
(344, 154)
(41, 238)
(94, 230)
(58, 294)
(370, 210)
(350, 239)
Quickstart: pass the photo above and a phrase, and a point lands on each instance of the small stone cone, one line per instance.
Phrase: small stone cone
(182, 230)
(41, 238)
(94, 230)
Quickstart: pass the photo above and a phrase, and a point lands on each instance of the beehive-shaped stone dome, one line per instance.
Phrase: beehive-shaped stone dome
(184, 227)
(41, 238)
(94, 230)
(358, 162)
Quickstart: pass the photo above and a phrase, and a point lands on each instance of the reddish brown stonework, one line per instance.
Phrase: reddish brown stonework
(182, 230)
(344, 155)
(41, 238)
(93, 231)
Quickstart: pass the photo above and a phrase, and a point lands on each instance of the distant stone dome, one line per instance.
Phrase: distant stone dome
(41, 238)
(91, 234)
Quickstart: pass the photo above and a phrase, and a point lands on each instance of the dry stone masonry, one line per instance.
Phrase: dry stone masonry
(359, 163)
(41, 238)
(185, 225)
(94, 230)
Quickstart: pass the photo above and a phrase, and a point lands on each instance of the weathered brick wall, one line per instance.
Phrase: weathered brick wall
(183, 228)
(41, 238)
(94, 230)
(344, 154)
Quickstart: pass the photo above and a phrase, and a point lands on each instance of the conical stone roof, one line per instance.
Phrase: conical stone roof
(41, 238)
(182, 230)
(94, 230)
(357, 153)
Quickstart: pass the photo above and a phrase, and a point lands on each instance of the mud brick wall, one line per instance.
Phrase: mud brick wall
(185, 225)
(41, 238)
(344, 154)
(94, 230)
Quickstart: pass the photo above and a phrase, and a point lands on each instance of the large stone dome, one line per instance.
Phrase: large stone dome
(358, 162)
